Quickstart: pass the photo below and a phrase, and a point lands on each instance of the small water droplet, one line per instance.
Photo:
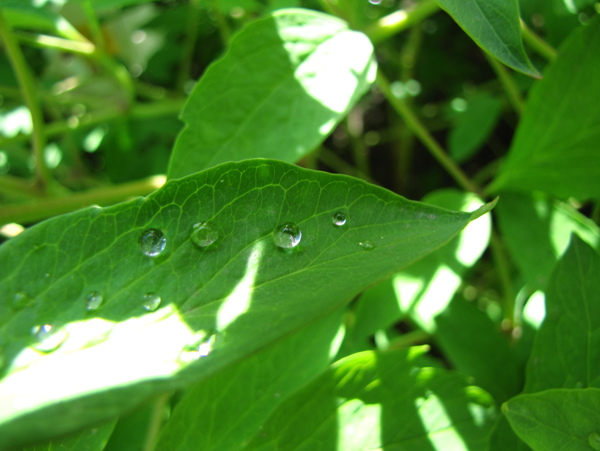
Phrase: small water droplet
(339, 219)
(367, 245)
(48, 338)
(21, 300)
(152, 242)
(93, 301)
(206, 346)
(203, 234)
(594, 440)
(151, 301)
(287, 235)
(198, 349)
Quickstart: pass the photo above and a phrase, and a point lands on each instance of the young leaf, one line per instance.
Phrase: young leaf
(555, 150)
(494, 26)
(381, 401)
(566, 352)
(286, 81)
(110, 306)
(557, 419)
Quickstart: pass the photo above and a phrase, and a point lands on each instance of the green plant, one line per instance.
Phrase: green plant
(253, 303)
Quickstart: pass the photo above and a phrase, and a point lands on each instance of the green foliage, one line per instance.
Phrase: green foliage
(256, 301)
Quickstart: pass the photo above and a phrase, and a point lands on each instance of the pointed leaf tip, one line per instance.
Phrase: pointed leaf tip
(484, 209)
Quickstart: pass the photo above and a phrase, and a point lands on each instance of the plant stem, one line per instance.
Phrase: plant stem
(28, 90)
(52, 42)
(510, 87)
(222, 25)
(502, 265)
(413, 122)
(51, 206)
(538, 44)
(400, 20)
(340, 165)
(94, 25)
(156, 420)
(17, 187)
(191, 35)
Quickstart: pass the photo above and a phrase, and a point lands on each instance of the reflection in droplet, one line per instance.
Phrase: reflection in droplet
(21, 300)
(152, 242)
(338, 219)
(197, 350)
(594, 440)
(203, 234)
(151, 301)
(93, 301)
(48, 338)
(287, 235)
(366, 245)
(206, 346)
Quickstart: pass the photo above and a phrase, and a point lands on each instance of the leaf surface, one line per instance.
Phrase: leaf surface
(494, 26)
(555, 150)
(557, 419)
(175, 312)
(286, 81)
(381, 401)
(566, 351)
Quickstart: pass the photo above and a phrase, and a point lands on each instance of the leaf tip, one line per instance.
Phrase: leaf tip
(486, 208)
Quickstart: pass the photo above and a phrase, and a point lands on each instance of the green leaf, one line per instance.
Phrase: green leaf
(110, 306)
(494, 26)
(475, 346)
(381, 401)
(537, 231)
(555, 149)
(93, 439)
(557, 419)
(228, 408)
(566, 351)
(286, 81)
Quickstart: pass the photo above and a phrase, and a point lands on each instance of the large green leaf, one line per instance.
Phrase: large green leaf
(556, 149)
(558, 419)
(281, 88)
(105, 307)
(566, 352)
(494, 26)
(386, 401)
(537, 230)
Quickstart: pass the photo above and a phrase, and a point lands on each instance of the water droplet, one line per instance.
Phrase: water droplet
(151, 301)
(152, 242)
(198, 349)
(338, 219)
(367, 245)
(21, 300)
(48, 338)
(594, 440)
(206, 346)
(203, 234)
(287, 235)
(93, 301)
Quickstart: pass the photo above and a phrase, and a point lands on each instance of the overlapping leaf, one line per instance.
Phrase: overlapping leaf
(283, 85)
(163, 309)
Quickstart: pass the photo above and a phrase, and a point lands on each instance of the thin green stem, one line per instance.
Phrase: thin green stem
(421, 132)
(400, 20)
(508, 83)
(94, 26)
(156, 419)
(340, 165)
(537, 43)
(222, 24)
(51, 206)
(28, 90)
(52, 42)
(191, 36)
(17, 187)
(503, 267)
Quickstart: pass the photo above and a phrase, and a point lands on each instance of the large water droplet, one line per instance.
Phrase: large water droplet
(339, 219)
(151, 301)
(203, 234)
(93, 301)
(594, 440)
(287, 235)
(21, 300)
(152, 242)
(367, 245)
(48, 338)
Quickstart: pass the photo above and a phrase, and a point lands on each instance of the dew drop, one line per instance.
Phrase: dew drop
(594, 440)
(152, 242)
(367, 245)
(48, 338)
(338, 219)
(287, 235)
(21, 300)
(93, 301)
(203, 234)
(151, 301)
